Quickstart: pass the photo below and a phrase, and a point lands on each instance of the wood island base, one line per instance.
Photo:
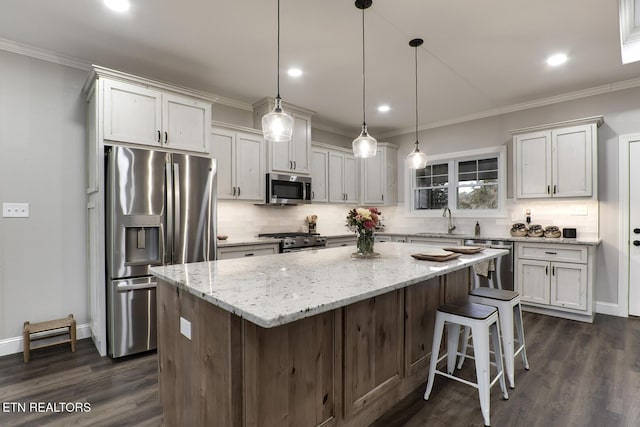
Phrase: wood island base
(344, 367)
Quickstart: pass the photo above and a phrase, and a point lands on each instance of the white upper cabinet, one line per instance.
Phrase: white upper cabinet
(558, 160)
(343, 177)
(292, 156)
(138, 114)
(319, 174)
(241, 164)
(379, 176)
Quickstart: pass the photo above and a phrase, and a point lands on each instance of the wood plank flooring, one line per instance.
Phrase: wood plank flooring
(581, 375)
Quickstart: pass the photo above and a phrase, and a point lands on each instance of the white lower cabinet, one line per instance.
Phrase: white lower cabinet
(243, 251)
(550, 285)
(435, 240)
(334, 242)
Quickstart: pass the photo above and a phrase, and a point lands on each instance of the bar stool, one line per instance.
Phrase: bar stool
(510, 314)
(483, 321)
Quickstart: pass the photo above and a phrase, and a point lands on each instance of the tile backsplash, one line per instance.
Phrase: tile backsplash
(244, 219)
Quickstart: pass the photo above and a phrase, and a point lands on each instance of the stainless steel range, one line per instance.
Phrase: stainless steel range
(299, 241)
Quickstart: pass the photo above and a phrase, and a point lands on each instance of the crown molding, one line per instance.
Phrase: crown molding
(584, 93)
(45, 55)
(332, 129)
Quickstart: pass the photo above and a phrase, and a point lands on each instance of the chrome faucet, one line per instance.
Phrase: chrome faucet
(444, 214)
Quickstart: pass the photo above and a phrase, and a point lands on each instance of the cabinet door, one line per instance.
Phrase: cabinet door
(250, 169)
(532, 281)
(301, 144)
(132, 113)
(350, 179)
(319, 178)
(533, 165)
(373, 178)
(222, 149)
(569, 285)
(572, 150)
(280, 160)
(336, 178)
(186, 123)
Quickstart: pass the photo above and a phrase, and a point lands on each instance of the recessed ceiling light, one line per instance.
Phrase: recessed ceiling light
(294, 72)
(557, 59)
(117, 5)
(384, 108)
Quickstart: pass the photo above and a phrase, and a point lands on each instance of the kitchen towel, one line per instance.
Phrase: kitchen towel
(484, 267)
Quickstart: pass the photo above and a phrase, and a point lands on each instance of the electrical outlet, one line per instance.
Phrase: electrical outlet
(579, 210)
(185, 327)
(515, 216)
(15, 210)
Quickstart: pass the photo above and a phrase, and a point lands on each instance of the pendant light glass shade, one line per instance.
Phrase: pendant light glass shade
(364, 146)
(416, 159)
(277, 125)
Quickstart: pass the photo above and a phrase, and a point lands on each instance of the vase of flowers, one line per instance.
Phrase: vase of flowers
(363, 222)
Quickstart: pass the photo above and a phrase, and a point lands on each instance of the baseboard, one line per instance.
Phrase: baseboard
(611, 309)
(14, 345)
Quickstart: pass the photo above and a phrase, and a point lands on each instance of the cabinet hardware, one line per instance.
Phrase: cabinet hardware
(159, 136)
(636, 230)
(166, 138)
(636, 243)
(383, 197)
(313, 195)
(238, 191)
(248, 254)
(295, 165)
(548, 189)
(546, 270)
(234, 191)
(551, 253)
(553, 271)
(555, 189)
(346, 196)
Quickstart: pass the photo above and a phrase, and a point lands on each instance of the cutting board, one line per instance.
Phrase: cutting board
(465, 249)
(435, 255)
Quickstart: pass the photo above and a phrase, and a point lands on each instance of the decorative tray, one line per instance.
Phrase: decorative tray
(435, 255)
(465, 249)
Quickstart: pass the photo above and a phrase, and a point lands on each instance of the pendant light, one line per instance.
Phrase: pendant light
(416, 159)
(277, 125)
(365, 145)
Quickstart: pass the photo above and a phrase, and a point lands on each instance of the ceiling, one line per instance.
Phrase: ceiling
(478, 57)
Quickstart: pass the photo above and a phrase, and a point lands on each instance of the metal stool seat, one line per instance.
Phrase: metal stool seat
(510, 314)
(483, 321)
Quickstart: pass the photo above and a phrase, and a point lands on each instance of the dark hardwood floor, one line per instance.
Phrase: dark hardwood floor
(581, 375)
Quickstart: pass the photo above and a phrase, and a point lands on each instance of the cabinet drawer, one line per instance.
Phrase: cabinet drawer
(564, 253)
(435, 241)
(230, 252)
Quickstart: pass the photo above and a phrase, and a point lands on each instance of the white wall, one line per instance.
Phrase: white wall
(621, 111)
(43, 257)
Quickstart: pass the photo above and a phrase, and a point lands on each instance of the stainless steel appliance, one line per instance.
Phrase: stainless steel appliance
(296, 242)
(502, 277)
(160, 209)
(288, 189)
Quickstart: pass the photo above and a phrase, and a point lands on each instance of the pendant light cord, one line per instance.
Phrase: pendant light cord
(416, 59)
(278, 70)
(364, 121)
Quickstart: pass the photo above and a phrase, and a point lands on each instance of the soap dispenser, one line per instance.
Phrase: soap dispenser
(477, 228)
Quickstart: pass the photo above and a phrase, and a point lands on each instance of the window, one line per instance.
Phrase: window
(470, 183)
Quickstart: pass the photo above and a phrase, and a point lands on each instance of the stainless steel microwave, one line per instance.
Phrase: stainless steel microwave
(288, 189)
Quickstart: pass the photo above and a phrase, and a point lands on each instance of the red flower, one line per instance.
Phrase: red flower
(369, 225)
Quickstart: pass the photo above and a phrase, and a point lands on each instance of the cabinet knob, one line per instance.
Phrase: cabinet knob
(636, 230)
(636, 243)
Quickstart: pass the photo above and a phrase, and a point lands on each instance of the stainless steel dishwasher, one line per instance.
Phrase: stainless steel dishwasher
(502, 277)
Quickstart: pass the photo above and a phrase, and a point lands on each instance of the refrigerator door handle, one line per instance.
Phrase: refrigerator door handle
(177, 230)
(123, 287)
(169, 185)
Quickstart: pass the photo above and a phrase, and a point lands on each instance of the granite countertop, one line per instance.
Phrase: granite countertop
(273, 290)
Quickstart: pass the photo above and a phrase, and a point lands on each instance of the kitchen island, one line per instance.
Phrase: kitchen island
(300, 339)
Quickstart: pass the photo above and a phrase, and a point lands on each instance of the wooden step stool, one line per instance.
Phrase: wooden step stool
(34, 328)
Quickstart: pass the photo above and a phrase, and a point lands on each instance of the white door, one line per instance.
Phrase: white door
(336, 178)
(533, 164)
(186, 123)
(569, 285)
(572, 150)
(532, 280)
(373, 178)
(319, 165)
(280, 160)
(222, 149)
(249, 165)
(351, 179)
(634, 228)
(301, 144)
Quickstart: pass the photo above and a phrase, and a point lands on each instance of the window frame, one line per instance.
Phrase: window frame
(453, 160)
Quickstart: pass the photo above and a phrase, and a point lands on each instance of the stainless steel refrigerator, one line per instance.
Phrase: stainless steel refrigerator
(160, 209)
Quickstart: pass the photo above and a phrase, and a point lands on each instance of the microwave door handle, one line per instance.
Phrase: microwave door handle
(169, 213)
(176, 210)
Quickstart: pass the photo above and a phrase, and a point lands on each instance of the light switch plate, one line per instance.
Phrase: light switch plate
(185, 327)
(15, 210)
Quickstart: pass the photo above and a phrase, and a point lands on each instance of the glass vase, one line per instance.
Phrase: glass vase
(364, 245)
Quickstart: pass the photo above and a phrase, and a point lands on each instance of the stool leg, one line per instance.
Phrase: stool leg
(506, 324)
(517, 311)
(453, 341)
(481, 355)
(72, 336)
(435, 352)
(465, 343)
(26, 344)
(497, 351)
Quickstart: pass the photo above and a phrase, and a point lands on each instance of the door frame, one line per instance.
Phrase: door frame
(624, 143)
